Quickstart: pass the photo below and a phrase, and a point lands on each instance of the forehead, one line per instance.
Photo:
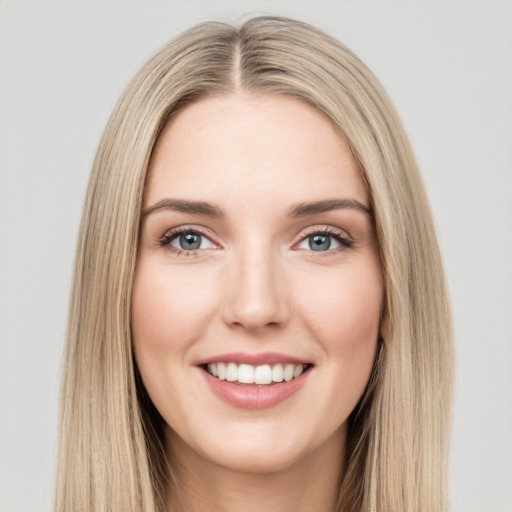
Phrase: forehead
(273, 145)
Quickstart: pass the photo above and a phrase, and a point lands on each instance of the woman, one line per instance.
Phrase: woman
(259, 318)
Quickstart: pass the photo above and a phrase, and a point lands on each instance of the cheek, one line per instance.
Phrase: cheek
(341, 309)
(344, 308)
(169, 313)
(168, 308)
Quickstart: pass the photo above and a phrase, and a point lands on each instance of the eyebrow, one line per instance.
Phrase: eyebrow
(300, 210)
(315, 207)
(181, 205)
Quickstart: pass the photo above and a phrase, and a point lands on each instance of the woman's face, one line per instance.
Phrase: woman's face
(258, 289)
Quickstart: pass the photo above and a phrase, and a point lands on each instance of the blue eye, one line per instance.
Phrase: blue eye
(319, 242)
(322, 242)
(187, 240)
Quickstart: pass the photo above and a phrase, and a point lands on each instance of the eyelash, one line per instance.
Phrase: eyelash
(170, 235)
(346, 243)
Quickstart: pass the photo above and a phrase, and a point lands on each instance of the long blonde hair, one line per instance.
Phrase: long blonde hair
(110, 454)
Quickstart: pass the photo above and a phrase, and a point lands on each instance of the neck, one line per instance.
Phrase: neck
(310, 483)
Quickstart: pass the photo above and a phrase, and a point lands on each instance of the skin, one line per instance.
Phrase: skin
(255, 285)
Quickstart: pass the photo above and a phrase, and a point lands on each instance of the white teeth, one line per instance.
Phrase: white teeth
(213, 369)
(221, 368)
(261, 375)
(277, 373)
(298, 370)
(246, 374)
(232, 372)
(288, 372)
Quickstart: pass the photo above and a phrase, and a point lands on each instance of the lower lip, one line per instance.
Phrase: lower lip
(254, 397)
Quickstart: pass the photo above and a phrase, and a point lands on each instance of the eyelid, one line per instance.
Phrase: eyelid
(170, 234)
(324, 228)
(340, 234)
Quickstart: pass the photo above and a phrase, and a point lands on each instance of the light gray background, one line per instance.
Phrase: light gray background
(446, 64)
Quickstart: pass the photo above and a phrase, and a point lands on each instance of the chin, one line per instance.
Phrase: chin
(256, 461)
(259, 449)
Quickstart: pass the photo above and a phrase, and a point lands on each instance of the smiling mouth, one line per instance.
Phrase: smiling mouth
(261, 375)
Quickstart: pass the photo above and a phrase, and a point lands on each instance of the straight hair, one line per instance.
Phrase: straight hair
(111, 454)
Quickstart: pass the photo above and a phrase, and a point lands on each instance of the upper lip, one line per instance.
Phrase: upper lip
(253, 359)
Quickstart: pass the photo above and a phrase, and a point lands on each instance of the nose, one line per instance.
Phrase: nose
(255, 292)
